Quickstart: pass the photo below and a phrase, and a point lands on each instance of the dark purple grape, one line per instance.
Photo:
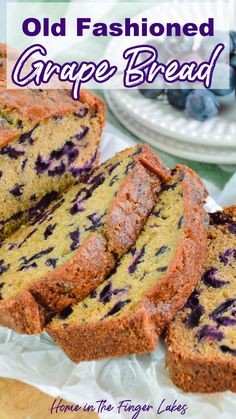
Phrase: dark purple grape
(223, 307)
(233, 61)
(116, 308)
(58, 170)
(65, 313)
(26, 261)
(81, 134)
(193, 318)
(209, 333)
(17, 190)
(180, 222)
(42, 164)
(210, 279)
(223, 75)
(177, 97)
(52, 262)
(3, 267)
(49, 230)
(12, 152)
(82, 112)
(75, 237)
(226, 350)
(151, 93)
(162, 250)
(226, 255)
(202, 105)
(137, 259)
(96, 221)
(225, 321)
(233, 41)
(106, 293)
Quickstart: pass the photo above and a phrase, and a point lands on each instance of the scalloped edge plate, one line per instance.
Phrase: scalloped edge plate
(203, 152)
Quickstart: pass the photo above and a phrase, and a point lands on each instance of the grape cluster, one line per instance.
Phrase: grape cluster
(200, 104)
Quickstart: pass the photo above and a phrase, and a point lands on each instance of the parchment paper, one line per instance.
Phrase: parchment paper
(142, 379)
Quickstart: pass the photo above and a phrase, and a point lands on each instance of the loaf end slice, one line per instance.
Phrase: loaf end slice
(47, 142)
(201, 341)
(128, 312)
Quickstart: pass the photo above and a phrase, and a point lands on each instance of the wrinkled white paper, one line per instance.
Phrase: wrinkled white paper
(36, 360)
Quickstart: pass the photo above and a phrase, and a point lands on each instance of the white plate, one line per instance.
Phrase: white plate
(204, 143)
(161, 117)
(210, 141)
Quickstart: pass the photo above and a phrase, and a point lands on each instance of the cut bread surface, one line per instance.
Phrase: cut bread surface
(127, 313)
(45, 153)
(64, 251)
(47, 141)
(202, 340)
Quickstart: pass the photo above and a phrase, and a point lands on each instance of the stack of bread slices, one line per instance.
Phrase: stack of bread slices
(107, 258)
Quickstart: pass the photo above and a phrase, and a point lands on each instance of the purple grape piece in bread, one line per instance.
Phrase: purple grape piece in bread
(116, 308)
(137, 259)
(201, 341)
(52, 262)
(75, 238)
(128, 312)
(12, 152)
(49, 230)
(64, 251)
(106, 293)
(210, 279)
(17, 190)
(27, 136)
(42, 164)
(80, 135)
(226, 256)
(209, 333)
(65, 313)
(47, 139)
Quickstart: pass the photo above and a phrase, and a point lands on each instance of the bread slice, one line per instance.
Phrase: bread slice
(47, 141)
(127, 313)
(201, 342)
(67, 249)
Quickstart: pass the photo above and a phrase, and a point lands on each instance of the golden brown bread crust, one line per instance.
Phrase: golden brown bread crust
(134, 200)
(37, 106)
(195, 373)
(186, 268)
(76, 278)
(138, 330)
(130, 334)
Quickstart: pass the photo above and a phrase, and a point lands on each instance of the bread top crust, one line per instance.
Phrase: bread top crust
(37, 106)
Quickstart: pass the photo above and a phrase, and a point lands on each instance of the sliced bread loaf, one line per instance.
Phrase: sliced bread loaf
(127, 313)
(47, 140)
(201, 341)
(68, 248)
